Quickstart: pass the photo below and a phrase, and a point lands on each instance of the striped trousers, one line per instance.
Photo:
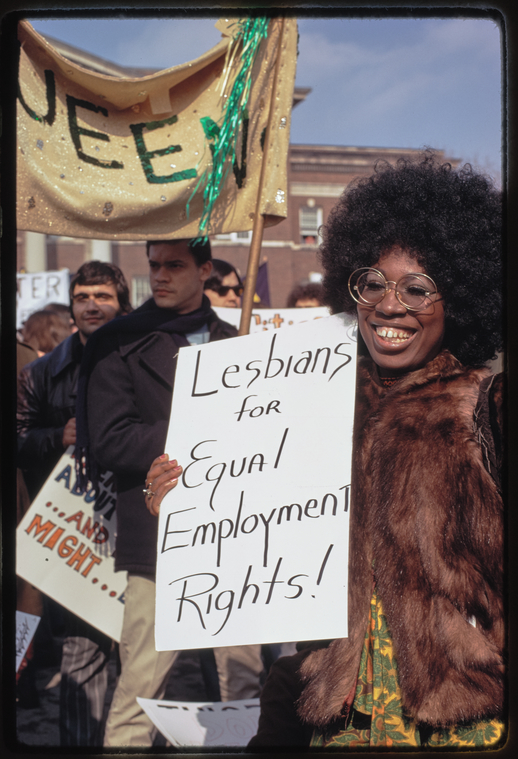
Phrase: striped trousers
(84, 680)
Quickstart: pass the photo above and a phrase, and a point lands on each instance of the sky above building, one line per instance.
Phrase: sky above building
(386, 82)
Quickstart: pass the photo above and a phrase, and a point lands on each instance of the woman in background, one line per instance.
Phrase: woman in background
(305, 296)
(45, 329)
(223, 287)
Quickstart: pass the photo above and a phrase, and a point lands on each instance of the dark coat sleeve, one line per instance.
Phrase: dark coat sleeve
(37, 439)
(128, 412)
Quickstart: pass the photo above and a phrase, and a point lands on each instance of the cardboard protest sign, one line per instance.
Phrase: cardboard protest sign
(223, 723)
(271, 318)
(26, 625)
(65, 544)
(120, 158)
(253, 542)
(34, 291)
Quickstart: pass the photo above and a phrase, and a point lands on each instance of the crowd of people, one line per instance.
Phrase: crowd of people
(415, 252)
(51, 345)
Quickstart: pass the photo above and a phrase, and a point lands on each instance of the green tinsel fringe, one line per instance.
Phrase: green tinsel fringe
(223, 136)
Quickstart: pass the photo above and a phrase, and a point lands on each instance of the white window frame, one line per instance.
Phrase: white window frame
(140, 290)
(306, 230)
(240, 238)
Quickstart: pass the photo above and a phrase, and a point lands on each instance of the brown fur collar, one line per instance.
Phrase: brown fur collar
(425, 508)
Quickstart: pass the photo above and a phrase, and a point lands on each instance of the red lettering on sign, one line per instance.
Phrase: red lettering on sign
(51, 542)
(102, 536)
(40, 528)
(76, 518)
(66, 546)
(93, 561)
(79, 557)
(89, 529)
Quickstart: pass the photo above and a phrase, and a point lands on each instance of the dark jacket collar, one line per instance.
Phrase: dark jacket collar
(67, 352)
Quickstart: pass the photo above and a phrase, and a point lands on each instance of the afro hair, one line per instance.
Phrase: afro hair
(449, 220)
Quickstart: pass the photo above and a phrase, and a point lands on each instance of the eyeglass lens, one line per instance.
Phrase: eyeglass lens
(412, 290)
(224, 290)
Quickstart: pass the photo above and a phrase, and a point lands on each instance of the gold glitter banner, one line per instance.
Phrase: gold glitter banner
(119, 159)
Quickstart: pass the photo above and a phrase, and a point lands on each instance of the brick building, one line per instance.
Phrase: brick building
(317, 175)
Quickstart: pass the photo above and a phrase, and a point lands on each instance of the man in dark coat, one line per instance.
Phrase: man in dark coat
(46, 427)
(127, 389)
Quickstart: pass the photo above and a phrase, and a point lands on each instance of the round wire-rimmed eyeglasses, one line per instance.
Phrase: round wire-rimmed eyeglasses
(415, 292)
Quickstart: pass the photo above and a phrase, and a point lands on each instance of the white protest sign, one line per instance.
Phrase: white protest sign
(221, 723)
(65, 544)
(253, 542)
(34, 291)
(26, 625)
(263, 319)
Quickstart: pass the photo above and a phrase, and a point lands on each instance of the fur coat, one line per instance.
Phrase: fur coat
(428, 518)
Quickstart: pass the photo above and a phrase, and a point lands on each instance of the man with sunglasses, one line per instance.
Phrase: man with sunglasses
(223, 287)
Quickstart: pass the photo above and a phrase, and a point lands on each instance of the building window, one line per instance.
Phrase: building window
(235, 237)
(140, 291)
(310, 219)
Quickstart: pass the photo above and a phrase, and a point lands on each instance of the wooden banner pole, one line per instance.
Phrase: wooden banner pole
(257, 231)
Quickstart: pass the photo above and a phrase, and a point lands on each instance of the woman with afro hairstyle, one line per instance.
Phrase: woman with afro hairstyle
(415, 251)
(451, 223)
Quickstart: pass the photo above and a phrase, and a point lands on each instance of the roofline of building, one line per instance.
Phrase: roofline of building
(354, 154)
(352, 148)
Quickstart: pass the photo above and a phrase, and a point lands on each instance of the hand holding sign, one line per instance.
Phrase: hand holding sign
(69, 433)
(253, 548)
(161, 478)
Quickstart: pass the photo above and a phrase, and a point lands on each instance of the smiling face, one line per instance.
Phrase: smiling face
(176, 281)
(93, 306)
(397, 339)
